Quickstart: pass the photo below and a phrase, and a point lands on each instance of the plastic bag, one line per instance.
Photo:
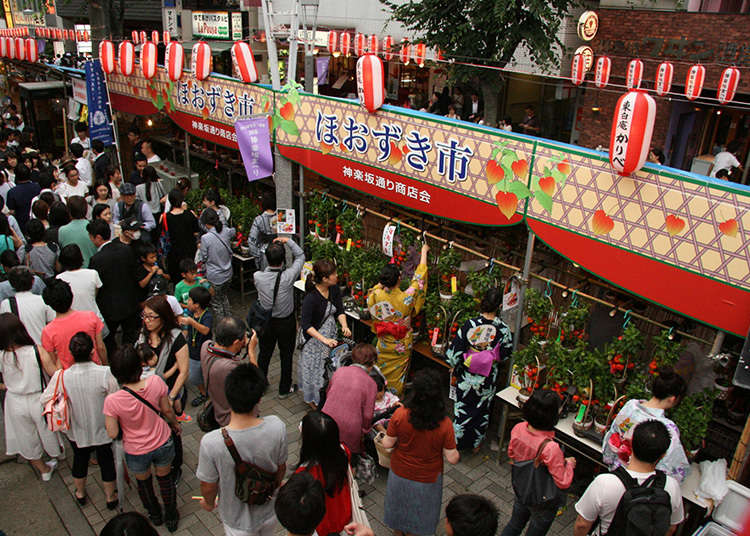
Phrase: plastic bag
(713, 480)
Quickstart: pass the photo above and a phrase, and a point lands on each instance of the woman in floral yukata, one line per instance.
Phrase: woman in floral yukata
(391, 309)
(474, 354)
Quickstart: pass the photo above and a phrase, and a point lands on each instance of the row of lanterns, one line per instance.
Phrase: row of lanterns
(19, 48)
(174, 59)
(339, 44)
(21, 31)
(694, 80)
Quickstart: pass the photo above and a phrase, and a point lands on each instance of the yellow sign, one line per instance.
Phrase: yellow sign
(8, 16)
(588, 24)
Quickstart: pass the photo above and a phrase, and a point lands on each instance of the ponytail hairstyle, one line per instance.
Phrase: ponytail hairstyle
(321, 269)
(149, 175)
(210, 217)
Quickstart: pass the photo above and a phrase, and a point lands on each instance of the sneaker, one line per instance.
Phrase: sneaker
(198, 400)
(48, 475)
(294, 389)
(184, 418)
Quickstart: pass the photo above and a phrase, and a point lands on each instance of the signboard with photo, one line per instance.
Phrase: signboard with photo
(285, 221)
(211, 24)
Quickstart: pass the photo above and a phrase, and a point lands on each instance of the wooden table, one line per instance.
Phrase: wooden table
(246, 267)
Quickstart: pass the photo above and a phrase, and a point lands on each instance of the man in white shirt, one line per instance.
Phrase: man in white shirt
(115, 181)
(33, 313)
(727, 159)
(83, 136)
(85, 171)
(148, 152)
(73, 186)
(600, 501)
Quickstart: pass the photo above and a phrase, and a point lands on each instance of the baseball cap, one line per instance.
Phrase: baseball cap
(130, 224)
(127, 188)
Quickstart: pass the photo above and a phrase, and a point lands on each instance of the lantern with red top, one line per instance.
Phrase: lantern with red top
(166, 37)
(174, 60)
(134, 36)
(372, 44)
(601, 72)
(148, 60)
(20, 49)
(107, 56)
(730, 79)
(664, 74)
(201, 60)
(142, 36)
(696, 75)
(578, 69)
(370, 82)
(405, 54)
(420, 53)
(345, 41)
(32, 53)
(632, 128)
(155, 37)
(244, 62)
(126, 58)
(388, 48)
(360, 44)
(634, 75)
(3, 47)
(333, 43)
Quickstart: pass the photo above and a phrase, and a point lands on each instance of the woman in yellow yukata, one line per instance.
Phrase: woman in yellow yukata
(391, 309)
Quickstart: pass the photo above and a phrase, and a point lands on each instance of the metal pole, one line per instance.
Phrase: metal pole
(273, 56)
(187, 157)
(291, 75)
(301, 205)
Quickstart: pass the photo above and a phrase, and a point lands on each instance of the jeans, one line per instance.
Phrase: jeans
(541, 518)
(159, 457)
(220, 301)
(196, 374)
(104, 456)
(283, 331)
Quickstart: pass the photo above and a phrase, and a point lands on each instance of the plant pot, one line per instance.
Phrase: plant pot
(438, 349)
(580, 427)
(364, 313)
(523, 396)
(600, 428)
(446, 297)
(722, 386)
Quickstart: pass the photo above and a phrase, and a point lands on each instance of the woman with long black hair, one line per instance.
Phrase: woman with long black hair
(326, 459)
(216, 253)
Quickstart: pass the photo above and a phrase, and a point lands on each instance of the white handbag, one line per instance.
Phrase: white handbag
(358, 511)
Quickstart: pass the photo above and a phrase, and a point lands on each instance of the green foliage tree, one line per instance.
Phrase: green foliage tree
(485, 32)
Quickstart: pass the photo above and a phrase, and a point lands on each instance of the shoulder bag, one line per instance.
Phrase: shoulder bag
(532, 483)
(358, 510)
(258, 317)
(56, 409)
(253, 485)
(206, 417)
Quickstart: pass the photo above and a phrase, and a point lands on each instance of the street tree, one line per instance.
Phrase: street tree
(485, 33)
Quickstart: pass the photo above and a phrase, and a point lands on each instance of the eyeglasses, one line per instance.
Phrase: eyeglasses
(144, 316)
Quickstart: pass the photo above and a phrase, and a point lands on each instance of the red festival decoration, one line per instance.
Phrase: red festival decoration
(166, 37)
(134, 36)
(3, 47)
(730, 79)
(664, 75)
(107, 56)
(370, 82)
(201, 60)
(634, 75)
(174, 60)
(126, 58)
(32, 53)
(243, 62)
(405, 52)
(155, 37)
(345, 42)
(601, 73)
(694, 81)
(333, 42)
(58, 34)
(142, 36)
(578, 69)
(372, 44)
(420, 52)
(388, 48)
(148, 60)
(632, 127)
(360, 43)
(20, 51)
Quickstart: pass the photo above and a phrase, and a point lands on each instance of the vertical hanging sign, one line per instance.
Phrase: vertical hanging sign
(255, 146)
(96, 94)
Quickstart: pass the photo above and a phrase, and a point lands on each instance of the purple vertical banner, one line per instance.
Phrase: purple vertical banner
(321, 64)
(255, 147)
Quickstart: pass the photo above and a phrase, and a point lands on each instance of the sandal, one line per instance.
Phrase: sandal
(81, 500)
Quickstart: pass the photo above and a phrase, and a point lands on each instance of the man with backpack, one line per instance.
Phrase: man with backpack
(636, 500)
(245, 461)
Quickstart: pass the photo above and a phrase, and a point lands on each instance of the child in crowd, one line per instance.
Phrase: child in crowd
(385, 403)
(148, 359)
(199, 323)
(151, 278)
(190, 280)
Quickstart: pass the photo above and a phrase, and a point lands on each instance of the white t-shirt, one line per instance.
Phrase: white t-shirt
(175, 305)
(84, 283)
(724, 160)
(65, 190)
(85, 170)
(601, 498)
(154, 159)
(86, 144)
(33, 313)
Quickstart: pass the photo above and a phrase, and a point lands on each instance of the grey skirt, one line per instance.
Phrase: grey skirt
(413, 507)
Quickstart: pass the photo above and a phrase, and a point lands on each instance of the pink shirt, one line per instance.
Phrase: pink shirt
(524, 445)
(142, 429)
(57, 334)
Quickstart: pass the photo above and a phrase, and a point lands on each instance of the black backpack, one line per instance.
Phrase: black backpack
(644, 509)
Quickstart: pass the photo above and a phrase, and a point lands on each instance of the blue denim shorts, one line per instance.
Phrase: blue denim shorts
(159, 457)
(196, 374)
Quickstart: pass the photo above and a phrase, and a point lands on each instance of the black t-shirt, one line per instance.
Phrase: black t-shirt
(156, 285)
(182, 229)
(177, 345)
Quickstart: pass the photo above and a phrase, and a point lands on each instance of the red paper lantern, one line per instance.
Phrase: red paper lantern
(155, 37)
(32, 54)
(372, 44)
(26, 31)
(174, 60)
(69, 35)
(148, 60)
(420, 53)
(166, 37)
(345, 42)
(243, 62)
(578, 69)
(730, 79)
(86, 35)
(134, 36)
(370, 82)
(142, 36)
(635, 74)
(601, 73)
(20, 50)
(333, 41)
(59, 34)
(632, 127)
(3, 47)
(107, 56)
(126, 59)
(201, 60)
(664, 74)
(388, 48)
(360, 43)
(405, 54)
(694, 81)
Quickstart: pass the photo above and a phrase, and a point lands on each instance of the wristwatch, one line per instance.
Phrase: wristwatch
(172, 398)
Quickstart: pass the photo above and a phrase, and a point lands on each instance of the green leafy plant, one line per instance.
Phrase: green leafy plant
(526, 361)
(483, 280)
(538, 307)
(573, 321)
(624, 352)
(447, 267)
(692, 417)
(666, 350)
(322, 211)
(365, 267)
(349, 224)
(322, 249)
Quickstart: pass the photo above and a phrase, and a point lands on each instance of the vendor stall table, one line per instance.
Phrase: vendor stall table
(245, 269)
(169, 173)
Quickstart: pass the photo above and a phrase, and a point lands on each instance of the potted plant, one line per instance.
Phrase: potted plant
(722, 367)
(527, 364)
(322, 210)
(588, 366)
(666, 350)
(573, 323)
(692, 417)
(623, 352)
(349, 226)
(483, 280)
(447, 269)
(538, 309)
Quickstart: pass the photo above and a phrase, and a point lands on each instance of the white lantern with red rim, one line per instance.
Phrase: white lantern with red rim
(373, 44)
(370, 82)
(602, 70)
(148, 60)
(20, 49)
(730, 79)
(142, 36)
(107, 56)
(634, 75)
(126, 58)
(201, 60)
(632, 128)
(696, 75)
(134, 36)
(166, 37)
(155, 37)
(333, 43)
(345, 41)
(578, 69)
(70, 35)
(3, 47)
(26, 31)
(32, 53)
(405, 54)
(244, 62)
(664, 75)
(419, 53)
(388, 48)
(360, 44)
(174, 60)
